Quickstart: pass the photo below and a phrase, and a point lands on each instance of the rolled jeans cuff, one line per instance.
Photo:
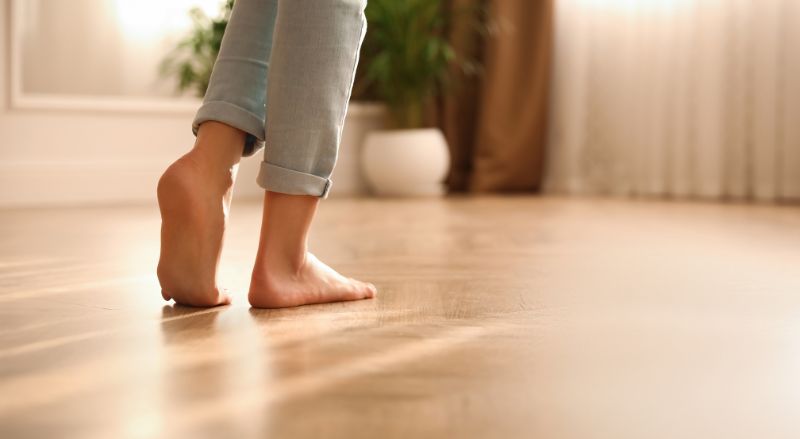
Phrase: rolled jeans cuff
(236, 117)
(276, 178)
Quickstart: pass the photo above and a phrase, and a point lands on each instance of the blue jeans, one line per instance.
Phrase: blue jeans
(284, 76)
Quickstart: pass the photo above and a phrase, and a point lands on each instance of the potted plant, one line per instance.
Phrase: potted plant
(406, 59)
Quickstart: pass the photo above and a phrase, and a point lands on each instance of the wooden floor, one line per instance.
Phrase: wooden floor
(497, 318)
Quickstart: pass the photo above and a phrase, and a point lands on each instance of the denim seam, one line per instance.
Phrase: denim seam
(238, 108)
(293, 182)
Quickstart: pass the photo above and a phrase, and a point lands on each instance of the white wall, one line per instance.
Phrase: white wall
(101, 47)
(69, 157)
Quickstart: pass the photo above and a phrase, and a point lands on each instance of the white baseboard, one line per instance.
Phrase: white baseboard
(104, 182)
(64, 183)
(69, 183)
(35, 175)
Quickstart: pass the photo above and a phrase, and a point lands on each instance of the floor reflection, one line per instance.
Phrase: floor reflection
(215, 359)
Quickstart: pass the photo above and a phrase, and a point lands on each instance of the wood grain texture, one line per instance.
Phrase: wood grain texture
(497, 317)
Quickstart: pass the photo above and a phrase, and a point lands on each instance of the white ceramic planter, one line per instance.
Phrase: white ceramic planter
(406, 162)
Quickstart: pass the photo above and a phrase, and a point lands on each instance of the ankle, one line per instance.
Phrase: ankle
(281, 260)
(210, 168)
(220, 144)
(284, 231)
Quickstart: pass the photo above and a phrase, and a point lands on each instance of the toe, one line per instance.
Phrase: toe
(371, 290)
(165, 295)
(365, 290)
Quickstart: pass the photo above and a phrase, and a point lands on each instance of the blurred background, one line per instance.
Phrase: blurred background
(631, 98)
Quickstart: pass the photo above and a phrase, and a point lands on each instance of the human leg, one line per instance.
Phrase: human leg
(194, 193)
(313, 62)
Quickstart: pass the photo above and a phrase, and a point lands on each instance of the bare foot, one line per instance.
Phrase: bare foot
(285, 273)
(194, 196)
(278, 286)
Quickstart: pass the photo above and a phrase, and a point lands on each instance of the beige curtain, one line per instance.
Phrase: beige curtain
(692, 98)
(496, 122)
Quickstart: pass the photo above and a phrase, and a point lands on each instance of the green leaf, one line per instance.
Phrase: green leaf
(406, 58)
(191, 61)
